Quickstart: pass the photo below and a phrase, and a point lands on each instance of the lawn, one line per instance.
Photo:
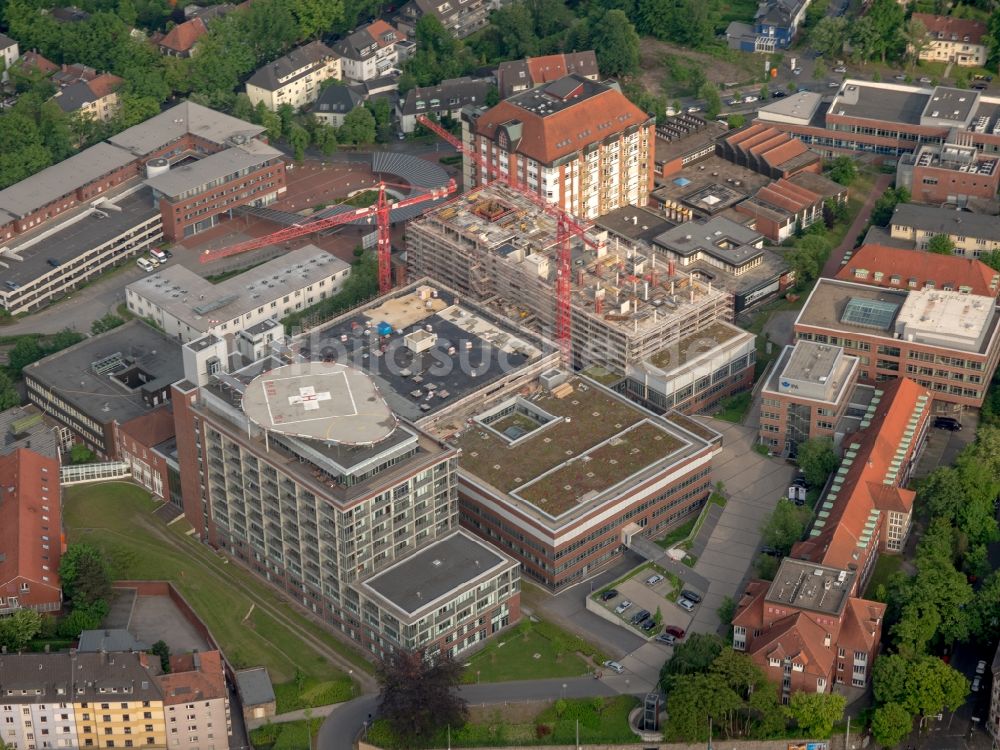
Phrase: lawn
(885, 568)
(308, 692)
(676, 535)
(735, 408)
(292, 735)
(601, 721)
(512, 655)
(116, 518)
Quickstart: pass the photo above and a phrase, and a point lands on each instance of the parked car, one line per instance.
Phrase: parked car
(614, 666)
(692, 595)
(53, 262)
(648, 624)
(900, 77)
(797, 71)
(925, 79)
(654, 579)
(692, 109)
(981, 666)
(608, 595)
(168, 253)
(980, 86)
(686, 604)
(144, 264)
(675, 631)
(622, 606)
(666, 638)
(833, 85)
(778, 95)
(840, 69)
(749, 99)
(770, 551)
(800, 480)
(639, 616)
(947, 423)
(976, 683)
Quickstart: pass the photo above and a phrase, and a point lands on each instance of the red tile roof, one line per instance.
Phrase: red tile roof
(569, 130)
(922, 267)
(105, 84)
(193, 677)
(184, 36)
(799, 638)
(384, 34)
(947, 26)
(30, 521)
(34, 61)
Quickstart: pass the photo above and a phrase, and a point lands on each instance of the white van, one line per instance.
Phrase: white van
(158, 254)
(144, 264)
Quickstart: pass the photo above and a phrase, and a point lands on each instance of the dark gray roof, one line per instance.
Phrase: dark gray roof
(436, 571)
(103, 397)
(465, 90)
(338, 99)
(887, 102)
(296, 64)
(95, 641)
(178, 180)
(637, 224)
(6, 41)
(519, 72)
(357, 45)
(704, 236)
(946, 221)
(73, 97)
(64, 677)
(778, 12)
(254, 686)
(70, 14)
(61, 179)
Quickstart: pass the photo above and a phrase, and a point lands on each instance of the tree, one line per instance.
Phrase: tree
(298, 139)
(24, 352)
(690, 657)
(886, 17)
(834, 211)
(817, 459)
(922, 686)
(916, 38)
(9, 397)
(616, 44)
(105, 323)
(420, 695)
(816, 713)
(808, 257)
(891, 724)
(940, 244)
(162, 650)
(82, 618)
(886, 203)
(17, 630)
(784, 526)
(984, 614)
(843, 170)
(324, 138)
(317, 17)
(713, 101)
(695, 699)
(84, 575)
(80, 454)
(358, 127)
(864, 38)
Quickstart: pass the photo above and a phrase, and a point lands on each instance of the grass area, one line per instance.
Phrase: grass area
(310, 692)
(885, 568)
(601, 721)
(116, 518)
(124, 313)
(679, 534)
(512, 656)
(292, 735)
(762, 449)
(360, 200)
(216, 278)
(735, 408)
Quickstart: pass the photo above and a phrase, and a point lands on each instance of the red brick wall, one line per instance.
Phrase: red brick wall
(952, 183)
(189, 435)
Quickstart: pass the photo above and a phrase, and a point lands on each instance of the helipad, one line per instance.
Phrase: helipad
(319, 401)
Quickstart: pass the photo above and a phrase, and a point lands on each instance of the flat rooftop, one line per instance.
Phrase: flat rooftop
(694, 344)
(808, 370)
(435, 573)
(719, 237)
(179, 181)
(319, 401)
(564, 449)
(25, 427)
(634, 223)
(708, 176)
(76, 238)
(800, 107)
(689, 143)
(888, 102)
(462, 349)
(818, 588)
(200, 304)
(103, 375)
(938, 318)
(949, 106)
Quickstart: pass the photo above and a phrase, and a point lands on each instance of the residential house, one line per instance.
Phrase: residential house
(953, 40)
(196, 701)
(8, 53)
(897, 268)
(32, 63)
(775, 26)
(31, 535)
(444, 100)
(334, 102)
(971, 234)
(182, 39)
(295, 78)
(515, 76)
(372, 51)
(460, 17)
(96, 98)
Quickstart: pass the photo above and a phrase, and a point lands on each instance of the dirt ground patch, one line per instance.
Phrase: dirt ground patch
(653, 76)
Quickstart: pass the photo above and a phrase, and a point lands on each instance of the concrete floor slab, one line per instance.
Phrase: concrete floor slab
(156, 618)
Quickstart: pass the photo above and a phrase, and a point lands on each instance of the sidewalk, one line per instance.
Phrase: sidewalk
(318, 712)
(832, 265)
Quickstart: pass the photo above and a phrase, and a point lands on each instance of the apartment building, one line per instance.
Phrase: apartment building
(557, 475)
(944, 339)
(811, 628)
(954, 172)
(31, 534)
(337, 507)
(806, 395)
(579, 144)
(75, 700)
(138, 442)
(499, 248)
(444, 100)
(971, 234)
(196, 702)
(97, 98)
(460, 17)
(515, 76)
(187, 307)
(372, 51)
(953, 40)
(104, 381)
(295, 78)
(898, 268)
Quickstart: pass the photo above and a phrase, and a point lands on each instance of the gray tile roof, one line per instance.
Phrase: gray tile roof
(6, 41)
(297, 63)
(946, 221)
(465, 90)
(338, 99)
(64, 677)
(73, 97)
(176, 122)
(95, 641)
(254, 686)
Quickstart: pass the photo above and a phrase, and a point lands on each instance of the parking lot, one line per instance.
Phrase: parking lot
(661, 596)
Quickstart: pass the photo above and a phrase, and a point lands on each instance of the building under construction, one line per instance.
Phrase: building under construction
(497, 247)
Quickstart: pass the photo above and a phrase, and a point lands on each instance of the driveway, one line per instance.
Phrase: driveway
(753, 485)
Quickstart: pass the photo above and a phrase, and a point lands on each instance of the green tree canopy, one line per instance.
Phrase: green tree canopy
(84, 575)
(891, 724)
(842, 168)
(941, 244)
(616, 44)
(922, 686)
(358, 127)
(816, 713)
(693, 655)
(17, 630)
(784, 526)
(817, 459)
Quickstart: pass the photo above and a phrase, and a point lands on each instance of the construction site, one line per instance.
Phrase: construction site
(497, 247)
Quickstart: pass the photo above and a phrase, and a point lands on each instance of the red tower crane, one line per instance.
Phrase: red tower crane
(566, 228)
(380, 210)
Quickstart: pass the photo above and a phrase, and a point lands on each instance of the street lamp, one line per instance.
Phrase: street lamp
(564, 691)
(350, 675)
